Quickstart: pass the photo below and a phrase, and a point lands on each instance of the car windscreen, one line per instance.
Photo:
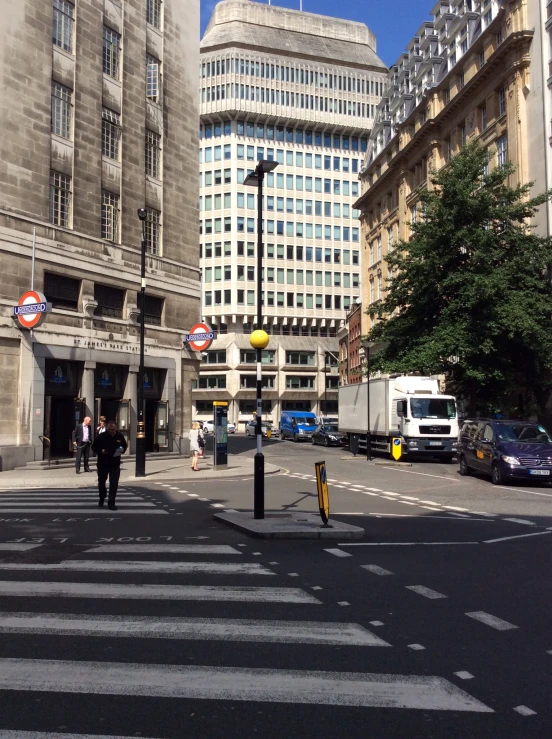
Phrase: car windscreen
(433, 408)
(305, 421)
(330, 429)
(525, 433)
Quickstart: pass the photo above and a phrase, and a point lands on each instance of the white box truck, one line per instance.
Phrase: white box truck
(409, 407)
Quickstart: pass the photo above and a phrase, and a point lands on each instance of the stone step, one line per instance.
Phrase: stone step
(69, 462)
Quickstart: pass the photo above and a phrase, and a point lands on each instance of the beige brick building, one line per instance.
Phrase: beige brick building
(464, 76)
(99, 117)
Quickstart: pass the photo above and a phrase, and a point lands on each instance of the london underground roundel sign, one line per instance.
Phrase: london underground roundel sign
(31, 309)
(200, 337)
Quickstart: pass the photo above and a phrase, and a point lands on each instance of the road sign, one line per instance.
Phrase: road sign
(200, 337)
(396, 448)
(323, 495)
(31, 309)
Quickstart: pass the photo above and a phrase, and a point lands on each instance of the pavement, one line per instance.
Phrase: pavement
(156, 621)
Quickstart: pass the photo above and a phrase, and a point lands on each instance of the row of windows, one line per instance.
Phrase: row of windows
(298, 159)
(287, 73)
(63, 32)
(306, 184)
(61, 204)
(281, 276)
(293, 382)
(223, 201)
(275, 329)
(299, 253)
(62, 125)
(278, 299)
(246, 407)
(64, 292)
(283, 133)
(289, 99)
(299, 230)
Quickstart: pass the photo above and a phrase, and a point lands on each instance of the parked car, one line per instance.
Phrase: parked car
(298, 425)
(328, 435)
(251, 430)
(505, 450)
(206, 426)
(328, 420)
(231, 428)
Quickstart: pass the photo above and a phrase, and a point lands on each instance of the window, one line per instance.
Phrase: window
(501, 101)
(483, 117)
(305, 382)
(111, 133)
(215, 357)
(111, 52)
(62, 30)
(153, 232)
(305, 358)
(249, 382)
(153, 67)
(210, 382)
(153, 154)
(61, 291)
(60, 199)
(249, 356)
(153, 13)
(502, 150)
(153, 309)
(61, 110)
(110, 216)
(111, 301)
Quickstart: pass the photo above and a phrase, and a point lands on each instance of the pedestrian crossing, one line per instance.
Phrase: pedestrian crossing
(82, 609)
(75, 501)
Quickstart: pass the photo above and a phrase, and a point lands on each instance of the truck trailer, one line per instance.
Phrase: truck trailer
(407, 407)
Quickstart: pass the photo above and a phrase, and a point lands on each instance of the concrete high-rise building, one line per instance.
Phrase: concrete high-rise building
(302, 90)
(98, 111)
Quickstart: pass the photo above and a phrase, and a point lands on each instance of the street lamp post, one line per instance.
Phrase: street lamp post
(141, 433)
(259, 338)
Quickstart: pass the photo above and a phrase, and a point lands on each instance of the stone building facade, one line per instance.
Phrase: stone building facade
(299, 89)
(464, 76)
(99, 110)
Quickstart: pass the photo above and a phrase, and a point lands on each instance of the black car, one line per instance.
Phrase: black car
(328, 435)
(505, 450)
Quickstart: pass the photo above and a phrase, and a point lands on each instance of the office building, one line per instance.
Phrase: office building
(99, 110)
(299, 89)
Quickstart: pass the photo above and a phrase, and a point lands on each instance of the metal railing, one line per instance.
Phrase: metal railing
(46, 447)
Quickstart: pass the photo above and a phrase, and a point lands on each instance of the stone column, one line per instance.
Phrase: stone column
(131, 393)
(88, 390)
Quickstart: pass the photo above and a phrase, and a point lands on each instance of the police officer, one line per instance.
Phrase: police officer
(109, 447)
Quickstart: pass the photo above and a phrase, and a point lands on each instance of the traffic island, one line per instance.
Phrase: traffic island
(288, 526)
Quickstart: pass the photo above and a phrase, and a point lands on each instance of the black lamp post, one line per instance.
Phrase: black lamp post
(141, 433)
(259, 338)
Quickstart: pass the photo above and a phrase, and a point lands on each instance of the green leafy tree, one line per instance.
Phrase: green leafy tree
(471, 294)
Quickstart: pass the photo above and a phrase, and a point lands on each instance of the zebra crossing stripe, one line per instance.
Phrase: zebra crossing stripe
(148, 627)
(123, 510)
(189, 568)
(113, 591)
(231, 683)
(163, 549)
(17, 547)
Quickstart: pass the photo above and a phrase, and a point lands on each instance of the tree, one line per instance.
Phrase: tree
(471, 294)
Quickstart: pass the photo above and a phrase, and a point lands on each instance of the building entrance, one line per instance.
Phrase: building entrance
(157, 423)
(62, 408)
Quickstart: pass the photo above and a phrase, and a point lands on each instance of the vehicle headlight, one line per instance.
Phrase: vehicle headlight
(413, 443)
(333, 438)
(510, 460)
(301, 431)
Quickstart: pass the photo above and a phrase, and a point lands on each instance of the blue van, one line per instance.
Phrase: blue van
(297, 425)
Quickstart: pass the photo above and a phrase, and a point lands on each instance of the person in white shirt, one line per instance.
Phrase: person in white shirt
(101, 428)
(82, 441)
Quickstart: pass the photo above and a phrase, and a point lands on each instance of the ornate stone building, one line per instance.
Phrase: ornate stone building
(99, 111)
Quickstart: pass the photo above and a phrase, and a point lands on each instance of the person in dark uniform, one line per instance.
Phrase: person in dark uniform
(109, 447)
(82, 439)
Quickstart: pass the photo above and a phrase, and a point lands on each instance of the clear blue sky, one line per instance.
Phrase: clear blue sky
(393, 21)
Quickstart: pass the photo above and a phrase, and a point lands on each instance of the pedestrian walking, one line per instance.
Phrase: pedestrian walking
(109, 447)
(197, 443)
(82, 440)
(101, 427)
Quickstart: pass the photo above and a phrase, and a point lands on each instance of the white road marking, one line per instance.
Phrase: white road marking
(173, 488)
(519, 490)
(343, 603)
(338, 553)
(154, 627)
(426, 592)
(493, 621)
(163, 549)
(374, 490)
(386, 492)
(454, 508)
(425, 517)
(430, 508)
(357, 486)
(409, 497)
(217, 505)
(317, 587)
(376, 570)
(231, 683)
(192, 495)
(519, 536)
(125, 509)
(416, 647)
(458, 515)
(190, 568)
(525, 711)
(273, 563)
(205, 500)
(155, 592)
(256, 554)
(54, 735)
(520, 520)
(403, 543)
(17, 547)
(463, 675)
(424, 474)
(348, 513)
(376, 623)
(291, 574)
(338, 486)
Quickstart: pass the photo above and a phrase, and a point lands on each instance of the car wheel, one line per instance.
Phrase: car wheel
(498, 477)
(295, 438)
(464, 469)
